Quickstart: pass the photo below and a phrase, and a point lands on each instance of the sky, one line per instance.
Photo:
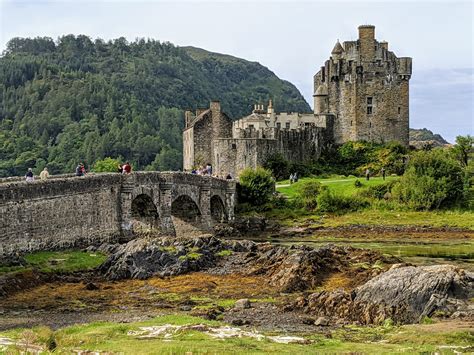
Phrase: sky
(291, 38)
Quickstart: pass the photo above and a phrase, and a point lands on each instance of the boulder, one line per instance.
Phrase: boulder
(404, 294)
(243, 303)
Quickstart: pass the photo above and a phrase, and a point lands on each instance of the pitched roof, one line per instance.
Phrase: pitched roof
(337, 48)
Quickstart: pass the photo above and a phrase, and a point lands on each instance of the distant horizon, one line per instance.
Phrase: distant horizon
(275, 34)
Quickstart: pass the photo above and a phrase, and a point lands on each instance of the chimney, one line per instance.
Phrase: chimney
(367, 42)
(215, 106)
(384, 45)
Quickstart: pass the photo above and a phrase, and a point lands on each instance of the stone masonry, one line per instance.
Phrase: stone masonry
(361, 93)
(366, 87)
(76, 212)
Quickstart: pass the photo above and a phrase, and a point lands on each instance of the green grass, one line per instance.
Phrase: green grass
(343, 186)
(64, 261)
(115, 337)
(223, 253)
(381, 214)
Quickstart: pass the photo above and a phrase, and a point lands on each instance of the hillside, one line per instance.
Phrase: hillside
(423, 137)
(81, 100)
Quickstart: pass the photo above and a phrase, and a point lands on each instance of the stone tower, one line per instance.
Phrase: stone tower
(366, 87)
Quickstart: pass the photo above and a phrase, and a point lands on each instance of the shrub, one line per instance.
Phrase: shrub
(256, 186)
(432, 180)
(278, 165)
(106, 165)
(358, 184)
(308, 192)
(329, 202)
(378, 191)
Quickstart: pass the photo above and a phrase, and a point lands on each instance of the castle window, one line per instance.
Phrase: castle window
(278, 125)
(351, 123)
(399, 110)
(287, 125)
(251, 126)
(369, 105)
(234, 146)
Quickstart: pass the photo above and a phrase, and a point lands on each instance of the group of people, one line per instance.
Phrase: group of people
(368, 172)
(31, 177)
(125, 168)
(203, 170)
(293, 178)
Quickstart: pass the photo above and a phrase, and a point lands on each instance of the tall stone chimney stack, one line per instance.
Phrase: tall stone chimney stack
(367, 43)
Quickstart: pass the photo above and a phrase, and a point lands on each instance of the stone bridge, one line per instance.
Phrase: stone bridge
(69, 212)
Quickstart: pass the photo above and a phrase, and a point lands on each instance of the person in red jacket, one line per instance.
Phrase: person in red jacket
(127, 168)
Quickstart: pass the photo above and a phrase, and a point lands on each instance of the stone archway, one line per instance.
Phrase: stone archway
(186, 216)
(144, 213)
(218, 213)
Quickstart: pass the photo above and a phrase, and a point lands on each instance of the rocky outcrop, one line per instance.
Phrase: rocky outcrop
(288, 269)
(404, 294)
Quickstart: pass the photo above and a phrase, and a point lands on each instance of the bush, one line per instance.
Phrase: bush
(328, 202)
(378, 191)
(358, 184)
(432, 180)
(256, 186)
(106, 165)
(278, 165)
(308, 192)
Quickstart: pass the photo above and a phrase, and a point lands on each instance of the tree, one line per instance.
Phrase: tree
(106, 165)
(432, 180)
(278, 165)
(463, 149)
(256, 186)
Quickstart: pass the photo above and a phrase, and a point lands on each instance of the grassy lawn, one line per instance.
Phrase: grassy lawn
(123, 338)
(338, 185)
(59, 261)
(370, 216)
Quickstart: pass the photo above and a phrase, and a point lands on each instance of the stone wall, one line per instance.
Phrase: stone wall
(59, 213)
(367, 90)
(302, 145)
(75, 212)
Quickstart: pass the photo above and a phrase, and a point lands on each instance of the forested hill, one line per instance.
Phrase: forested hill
(74, 99)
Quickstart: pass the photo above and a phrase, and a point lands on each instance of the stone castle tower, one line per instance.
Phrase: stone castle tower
(365, 87)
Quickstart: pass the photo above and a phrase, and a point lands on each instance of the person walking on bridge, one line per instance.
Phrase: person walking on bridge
(29, 175)
(44, 174)
(127, 168)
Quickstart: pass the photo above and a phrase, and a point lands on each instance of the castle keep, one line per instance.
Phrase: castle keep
(361, 93)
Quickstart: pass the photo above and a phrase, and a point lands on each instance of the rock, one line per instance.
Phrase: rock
(404, 294)
(185, 308)
(243, 303)
(91, 286)
(322, 321)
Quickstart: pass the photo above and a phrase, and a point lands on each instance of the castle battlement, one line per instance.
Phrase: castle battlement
(360, 93)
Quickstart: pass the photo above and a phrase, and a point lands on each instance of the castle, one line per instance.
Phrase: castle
(361, 93)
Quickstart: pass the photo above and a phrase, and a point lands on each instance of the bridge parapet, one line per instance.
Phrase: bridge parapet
(71, 211)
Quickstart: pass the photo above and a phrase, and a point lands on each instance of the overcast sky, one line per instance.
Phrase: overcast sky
(291, 38)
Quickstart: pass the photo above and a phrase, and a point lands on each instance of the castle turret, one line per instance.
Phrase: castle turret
(320, 99)
(367, 42)
(337, 51)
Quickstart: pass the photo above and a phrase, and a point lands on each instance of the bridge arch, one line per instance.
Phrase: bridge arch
(186, 215)
(218, 212)
(144, 212)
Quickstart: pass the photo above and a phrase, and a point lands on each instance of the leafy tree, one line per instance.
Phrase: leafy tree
(256, 186)
(106, 165)
(464, 149)
(278, 165)
(77, 100)
(432, 180)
